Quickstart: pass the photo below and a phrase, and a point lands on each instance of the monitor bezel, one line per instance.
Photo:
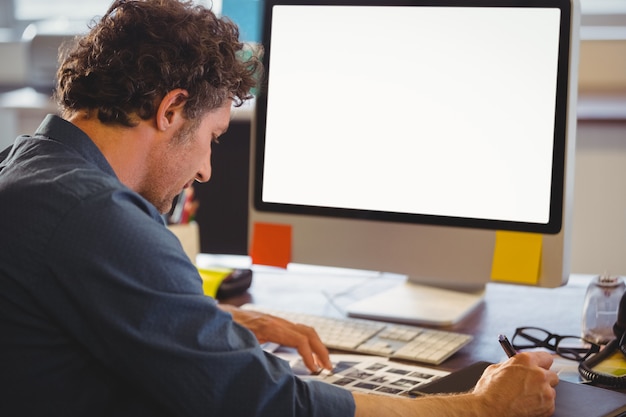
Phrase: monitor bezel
(555, 222)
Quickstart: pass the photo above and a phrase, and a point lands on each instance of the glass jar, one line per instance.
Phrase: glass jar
(600, 308)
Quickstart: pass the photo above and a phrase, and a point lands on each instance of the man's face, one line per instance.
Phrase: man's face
(174, 165)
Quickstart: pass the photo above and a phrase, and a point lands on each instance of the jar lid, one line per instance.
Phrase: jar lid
(606, 280)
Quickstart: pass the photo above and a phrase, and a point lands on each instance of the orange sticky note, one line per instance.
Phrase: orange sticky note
(517, 257)
(271, 244)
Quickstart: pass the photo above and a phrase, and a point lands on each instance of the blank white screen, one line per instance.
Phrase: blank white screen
(426, 110)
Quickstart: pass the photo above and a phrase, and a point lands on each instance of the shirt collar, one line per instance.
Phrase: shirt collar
(60, 130)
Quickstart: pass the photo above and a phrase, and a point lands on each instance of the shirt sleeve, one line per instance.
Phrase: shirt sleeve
(124, 289)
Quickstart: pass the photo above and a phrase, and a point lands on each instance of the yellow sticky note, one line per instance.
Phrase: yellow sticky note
(212, 278)
(517, 257)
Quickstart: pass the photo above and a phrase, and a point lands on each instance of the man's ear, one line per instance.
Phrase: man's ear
(170, 110)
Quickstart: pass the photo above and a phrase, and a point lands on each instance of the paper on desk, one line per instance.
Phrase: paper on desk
(370, 374)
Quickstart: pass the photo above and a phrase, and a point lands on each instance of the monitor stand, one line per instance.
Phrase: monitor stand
(417, 304)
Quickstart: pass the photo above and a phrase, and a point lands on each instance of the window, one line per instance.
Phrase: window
(602, 19)
(24, 11)
(29, 10)
(603, 6)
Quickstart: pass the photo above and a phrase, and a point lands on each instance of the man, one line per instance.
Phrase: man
(101, 312)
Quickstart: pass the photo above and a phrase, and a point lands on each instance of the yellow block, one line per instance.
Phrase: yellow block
(212, 278)
(517, 257)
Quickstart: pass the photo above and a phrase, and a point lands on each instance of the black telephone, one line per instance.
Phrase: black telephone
(586, 368)
(619, 328)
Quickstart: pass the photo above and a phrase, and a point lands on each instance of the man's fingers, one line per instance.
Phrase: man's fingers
(312, 345)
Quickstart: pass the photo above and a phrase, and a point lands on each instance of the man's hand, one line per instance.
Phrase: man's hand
(520, 387)
(523, 385)
(268, 328)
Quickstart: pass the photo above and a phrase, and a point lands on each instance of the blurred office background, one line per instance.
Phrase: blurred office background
(32, 30)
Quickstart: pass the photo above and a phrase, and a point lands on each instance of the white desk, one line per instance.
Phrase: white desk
(505, 308)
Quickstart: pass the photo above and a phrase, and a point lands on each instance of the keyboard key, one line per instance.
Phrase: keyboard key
(377, 338)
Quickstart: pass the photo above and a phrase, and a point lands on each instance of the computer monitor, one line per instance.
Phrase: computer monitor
(406, 136)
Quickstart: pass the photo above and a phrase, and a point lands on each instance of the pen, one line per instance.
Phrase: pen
(506, 345)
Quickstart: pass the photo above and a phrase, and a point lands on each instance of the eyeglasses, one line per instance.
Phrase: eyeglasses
(568, 347)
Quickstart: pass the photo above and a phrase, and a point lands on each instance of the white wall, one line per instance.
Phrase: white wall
(599, 231)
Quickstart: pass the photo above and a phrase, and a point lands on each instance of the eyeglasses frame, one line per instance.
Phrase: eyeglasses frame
(576, 354)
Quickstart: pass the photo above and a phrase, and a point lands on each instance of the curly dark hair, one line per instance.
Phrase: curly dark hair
(142, 49)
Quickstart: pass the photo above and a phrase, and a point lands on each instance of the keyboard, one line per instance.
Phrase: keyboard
(411, 343)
